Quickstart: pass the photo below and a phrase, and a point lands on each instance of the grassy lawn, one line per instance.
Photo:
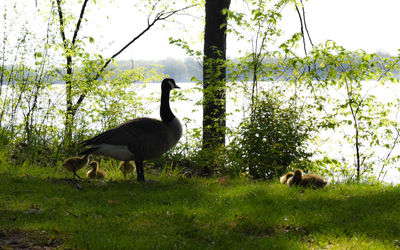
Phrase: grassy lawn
(40, 207)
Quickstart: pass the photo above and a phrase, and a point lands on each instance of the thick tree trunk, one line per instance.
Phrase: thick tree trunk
(214, 74)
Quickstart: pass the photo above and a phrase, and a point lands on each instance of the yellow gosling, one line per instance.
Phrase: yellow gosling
(285, 177)
(127, 167)
(96, 172)
(73, 164)
(307, 180)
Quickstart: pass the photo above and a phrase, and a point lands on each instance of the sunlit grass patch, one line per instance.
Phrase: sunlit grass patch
(196, 213)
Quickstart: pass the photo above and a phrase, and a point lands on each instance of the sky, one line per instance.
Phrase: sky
(367, 24)
(370, 25)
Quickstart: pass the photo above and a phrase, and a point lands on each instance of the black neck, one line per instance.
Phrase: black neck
(165, 111)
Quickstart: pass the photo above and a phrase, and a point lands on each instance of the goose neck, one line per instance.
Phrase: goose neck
(165, 110)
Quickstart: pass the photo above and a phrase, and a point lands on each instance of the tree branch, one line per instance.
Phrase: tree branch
(301, 29)
(305, 23)
(61, 20)
(159, 17)
(78, 24)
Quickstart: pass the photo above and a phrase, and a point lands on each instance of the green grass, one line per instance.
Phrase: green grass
(41, 208)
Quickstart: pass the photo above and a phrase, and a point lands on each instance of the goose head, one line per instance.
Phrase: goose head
(168, 84)
(93, 165)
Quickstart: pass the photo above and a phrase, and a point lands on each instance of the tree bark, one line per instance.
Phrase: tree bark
(214, 74)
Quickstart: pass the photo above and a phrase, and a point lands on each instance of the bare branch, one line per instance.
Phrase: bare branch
(61, 20)
(159, 17)
(78, 24)
(301, 29)
(305, 23)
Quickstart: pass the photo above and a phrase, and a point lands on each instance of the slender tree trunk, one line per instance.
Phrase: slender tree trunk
(214, 74)
(68, 48)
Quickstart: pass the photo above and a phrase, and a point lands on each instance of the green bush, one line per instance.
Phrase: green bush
(270, 140)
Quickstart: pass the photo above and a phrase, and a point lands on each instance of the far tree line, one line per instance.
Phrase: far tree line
(188, 69)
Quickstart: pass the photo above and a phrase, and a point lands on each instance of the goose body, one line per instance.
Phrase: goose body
(142, 138)
(73, 164)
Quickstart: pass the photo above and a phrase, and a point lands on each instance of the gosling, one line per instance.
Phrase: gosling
(96, 172)
(73, 164)
(285, 177)
(307, 180)
(127, 167)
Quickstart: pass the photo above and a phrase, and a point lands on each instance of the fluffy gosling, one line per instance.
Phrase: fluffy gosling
(307, 180)
(73, 164)
(285, 177)
(127, 167)
(96, 172)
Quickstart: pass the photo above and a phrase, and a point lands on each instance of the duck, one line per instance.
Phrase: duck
(140, 139)
(307, 180)
(127, 167)
(74, 163)
(285, 177)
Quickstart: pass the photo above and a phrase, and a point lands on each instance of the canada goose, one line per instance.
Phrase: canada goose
(307, 180)
(285, 177)
(141, 138)
(96, 172)
(73, 164)
(127, 167)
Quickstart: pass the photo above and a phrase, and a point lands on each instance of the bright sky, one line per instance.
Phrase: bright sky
(356, 24)
(367, 24)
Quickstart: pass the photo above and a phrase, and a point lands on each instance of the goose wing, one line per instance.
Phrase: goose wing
(132, 132)
(146, 138)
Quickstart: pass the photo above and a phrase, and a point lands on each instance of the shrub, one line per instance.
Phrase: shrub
(270, 140)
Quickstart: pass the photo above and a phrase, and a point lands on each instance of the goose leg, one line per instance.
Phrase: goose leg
(139, 170)
(75, 174)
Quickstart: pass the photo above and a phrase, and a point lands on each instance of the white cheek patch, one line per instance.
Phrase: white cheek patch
(171, 84)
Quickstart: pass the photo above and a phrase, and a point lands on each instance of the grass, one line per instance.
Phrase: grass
(40, 207)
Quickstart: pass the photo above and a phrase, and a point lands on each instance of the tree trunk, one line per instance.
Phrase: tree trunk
(214, 74)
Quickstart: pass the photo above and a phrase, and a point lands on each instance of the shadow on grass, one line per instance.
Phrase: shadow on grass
(195, 213)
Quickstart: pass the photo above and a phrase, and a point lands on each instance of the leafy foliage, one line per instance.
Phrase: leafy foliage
(271, 139)
(329, 94)
(346, 89)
